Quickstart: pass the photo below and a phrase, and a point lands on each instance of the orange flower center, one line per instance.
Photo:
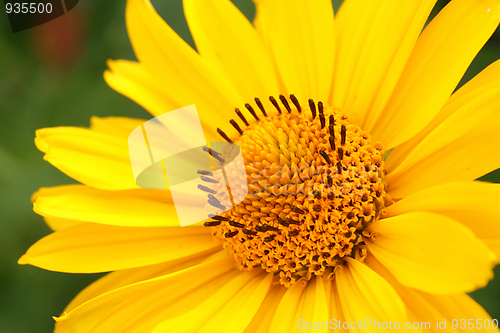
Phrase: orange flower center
(315, 181)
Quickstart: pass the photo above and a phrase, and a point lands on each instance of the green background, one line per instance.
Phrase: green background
(51, 75)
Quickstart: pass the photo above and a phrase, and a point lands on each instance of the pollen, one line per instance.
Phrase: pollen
(315, 182)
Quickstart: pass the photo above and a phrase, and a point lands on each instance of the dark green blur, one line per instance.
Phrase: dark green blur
(51, 75)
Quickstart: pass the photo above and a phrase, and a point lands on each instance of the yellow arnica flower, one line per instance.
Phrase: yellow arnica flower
(361, 162)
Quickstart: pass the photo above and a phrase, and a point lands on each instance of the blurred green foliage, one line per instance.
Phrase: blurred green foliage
(37, 91)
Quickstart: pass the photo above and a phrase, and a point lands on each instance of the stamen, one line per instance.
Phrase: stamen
(342, 135)
(297, 210)
(242, 117)
(332, 143)
(321, 114)
(269, 228)
(269, 239)
(214, 154)
(252, 111)
(296, 102)
(224, 135)
(235, 125)
(231, 234)
(209, 180)
(312, 106)
(339, 167)
(249, 232)
(291, 221)
(332, 121)
(283, 222)
(220, 218)
(341, 153)
(293, 233)
(211, 223)
(275, 103)
(261, 107)
(285, 103)
(236, 224)
(325, 156)
(206, 189)
(206, 173)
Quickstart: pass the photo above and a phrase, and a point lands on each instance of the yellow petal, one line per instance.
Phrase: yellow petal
(57, 223)
(96, 159)
(431, 252)
(432, 309)
(132, 208)
(228, 41)
(132, 79)
(315, 305)
(91, 247)
(365, 295)
(262, 319)
(435, 68)
(474, 204)
(485, 81)
(301, 37)
(140, 306)
(125, 277)
(188, 78)
(286, 316)
(229, 310)
(463, 147)
(374, 42)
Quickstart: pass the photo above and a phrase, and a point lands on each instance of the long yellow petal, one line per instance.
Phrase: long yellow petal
(188, 78)
(365, 295)
(92, 247)
(431, 252)
(301, 37)
(140, 306)
(57, 223)
(474, 204)
(441, 56)
(374, 42)
(132, 79)
(229, 310)
(487, 79)
(463, 147)
(262, 319)
(315, 308)
(286, 316)
(432, 310)
(228, 41)
(127, 208)
(94, 158)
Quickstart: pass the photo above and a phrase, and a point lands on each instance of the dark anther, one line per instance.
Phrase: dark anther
(211, 224)
(293, 233)
(269, 239)
(285, 103)
(235, 125)
(214, 202)
(332, 143)
(224, 136)
(312, 106)
(325, 156)
(282, 222)
(296, 102)
(206, 189)
(332, 120)
(326, 255)
(316, 194)
(236, 224)
(242, 117)
(329, 180)
(275, 103)
(342, 135)
(219, 218)
(321, 114)
(269, 228)
(249, 232)
(330, 196)
(317, 267)
(214, 154)
(290, 221)
(260, 229)
(252, 111)
(297, 210)
(341, 153)
(317, 208)
(206, 173)
(261, 107)
(315, 258)
(208, 180)
(231, 234)
(348, 234)
(350, 215)
(331, 130)
(339, 167)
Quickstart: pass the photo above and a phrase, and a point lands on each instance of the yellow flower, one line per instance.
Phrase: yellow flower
(371, 211)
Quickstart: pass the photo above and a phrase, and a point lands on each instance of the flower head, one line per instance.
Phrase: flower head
(360, 168)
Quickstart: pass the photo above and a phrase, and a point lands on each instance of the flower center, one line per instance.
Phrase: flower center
(315, 181)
